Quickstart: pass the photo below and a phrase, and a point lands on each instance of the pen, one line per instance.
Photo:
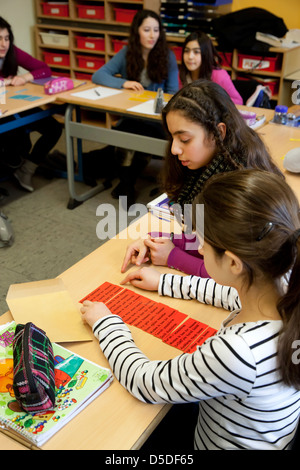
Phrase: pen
(79, 84)
(3, 112)
(97, 92)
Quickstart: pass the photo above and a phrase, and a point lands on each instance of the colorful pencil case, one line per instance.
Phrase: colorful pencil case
(57, 85)
(34, 381)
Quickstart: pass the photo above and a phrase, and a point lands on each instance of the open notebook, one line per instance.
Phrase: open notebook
(78, 382)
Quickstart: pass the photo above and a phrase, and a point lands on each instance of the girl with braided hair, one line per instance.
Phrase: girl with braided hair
(207, 136)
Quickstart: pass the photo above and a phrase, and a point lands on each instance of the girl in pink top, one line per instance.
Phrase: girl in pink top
(201, 60)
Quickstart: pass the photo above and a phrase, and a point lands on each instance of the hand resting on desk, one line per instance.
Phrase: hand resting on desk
(142, 250)
(93, 311)
(144, 278)
(131, 85)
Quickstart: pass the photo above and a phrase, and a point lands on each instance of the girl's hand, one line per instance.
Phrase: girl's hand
(21, 79)
(160, 248)
(144, 278)
(93, 311)
(136, 253)
(18, 80)
(131, 85)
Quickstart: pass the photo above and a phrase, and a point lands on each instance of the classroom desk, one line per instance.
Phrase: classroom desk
(120, 104)
(280, 139)
(15, 100)
(116, 420)
(117, 104)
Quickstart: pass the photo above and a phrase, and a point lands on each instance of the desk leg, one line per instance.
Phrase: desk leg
(120, 139)
(75, 199)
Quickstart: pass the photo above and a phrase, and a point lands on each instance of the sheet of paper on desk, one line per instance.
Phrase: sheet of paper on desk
(97, 93)
(49, 306)
(25, 97)
(144, 108)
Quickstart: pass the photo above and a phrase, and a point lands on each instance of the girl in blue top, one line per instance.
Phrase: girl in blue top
(146, 63)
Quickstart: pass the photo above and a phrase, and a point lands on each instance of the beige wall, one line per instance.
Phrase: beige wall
(21, 16)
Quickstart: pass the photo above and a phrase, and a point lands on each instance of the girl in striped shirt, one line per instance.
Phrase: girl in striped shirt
(246, 378)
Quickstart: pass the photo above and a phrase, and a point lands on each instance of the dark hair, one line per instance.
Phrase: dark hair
(255, 215)
(210, 58)
(10, 65)
(157, 65)
(207, 104)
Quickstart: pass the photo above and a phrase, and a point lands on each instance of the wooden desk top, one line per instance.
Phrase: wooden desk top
(280, 139)
(30, 96)
(116, 420)
(118, 104)
(127, 99)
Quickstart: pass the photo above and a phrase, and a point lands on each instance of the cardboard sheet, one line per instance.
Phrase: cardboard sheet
(49, 306)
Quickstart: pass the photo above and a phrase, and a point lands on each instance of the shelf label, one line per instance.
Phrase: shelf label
(90, 45)
(255, 64)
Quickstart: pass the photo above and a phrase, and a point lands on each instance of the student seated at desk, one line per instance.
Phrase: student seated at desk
(18, 140)
(200, 59)
(245, 378)
(207, 136)
(146, 63)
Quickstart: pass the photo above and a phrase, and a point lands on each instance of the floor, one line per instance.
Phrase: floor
(48, 237)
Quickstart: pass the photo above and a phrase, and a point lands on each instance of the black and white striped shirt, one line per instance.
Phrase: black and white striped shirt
(243, 403)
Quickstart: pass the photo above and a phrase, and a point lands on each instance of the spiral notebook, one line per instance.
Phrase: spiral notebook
(77, 383)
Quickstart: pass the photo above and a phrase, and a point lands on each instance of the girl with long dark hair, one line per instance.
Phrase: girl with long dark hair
(200, 59)
(24, 157)
(146, 63)
(207, 135)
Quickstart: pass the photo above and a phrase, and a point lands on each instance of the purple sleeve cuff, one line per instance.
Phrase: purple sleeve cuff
(187, 263)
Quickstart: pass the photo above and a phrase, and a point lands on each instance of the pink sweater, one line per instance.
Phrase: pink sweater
(223, 79)
(36, 67)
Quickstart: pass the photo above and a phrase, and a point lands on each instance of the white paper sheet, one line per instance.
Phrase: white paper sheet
(97, 93)
(144, 108)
